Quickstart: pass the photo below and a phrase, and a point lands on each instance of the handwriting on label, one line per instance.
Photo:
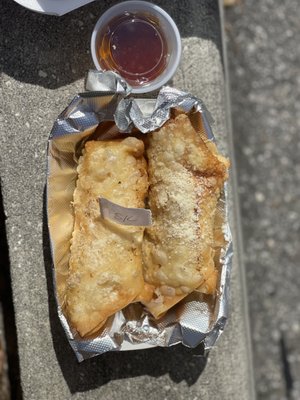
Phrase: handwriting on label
(124, 215)
(124, 218)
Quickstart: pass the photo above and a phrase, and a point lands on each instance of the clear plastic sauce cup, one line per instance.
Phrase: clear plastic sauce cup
(138, 40)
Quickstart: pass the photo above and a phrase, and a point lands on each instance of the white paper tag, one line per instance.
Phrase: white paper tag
(123, 215)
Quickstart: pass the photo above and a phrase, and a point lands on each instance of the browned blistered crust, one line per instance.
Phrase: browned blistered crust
(113, 265)
(105, 273)
(186, 176)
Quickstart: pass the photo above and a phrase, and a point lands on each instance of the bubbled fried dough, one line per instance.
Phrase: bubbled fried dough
(105, 268)
(186, 176)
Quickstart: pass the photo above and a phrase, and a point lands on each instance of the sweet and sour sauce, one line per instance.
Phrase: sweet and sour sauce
(134, 46)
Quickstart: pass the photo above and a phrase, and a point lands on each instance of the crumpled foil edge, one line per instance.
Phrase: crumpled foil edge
(108, 101)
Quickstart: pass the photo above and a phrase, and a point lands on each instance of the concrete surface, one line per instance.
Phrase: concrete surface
(264, 60)
(43, 65)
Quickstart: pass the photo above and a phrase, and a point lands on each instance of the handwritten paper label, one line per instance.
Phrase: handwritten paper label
(123, 215)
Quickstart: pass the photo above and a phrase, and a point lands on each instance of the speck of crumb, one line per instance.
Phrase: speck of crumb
(42, 74)
(259, 197)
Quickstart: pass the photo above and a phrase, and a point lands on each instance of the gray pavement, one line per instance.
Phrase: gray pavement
(43, 66)
(264, 59)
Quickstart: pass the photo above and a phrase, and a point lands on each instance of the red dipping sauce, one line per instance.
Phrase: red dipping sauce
(133, 45)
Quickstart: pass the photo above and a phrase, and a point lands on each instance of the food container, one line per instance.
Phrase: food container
(52, 7)
(140, 41)
(198, 320)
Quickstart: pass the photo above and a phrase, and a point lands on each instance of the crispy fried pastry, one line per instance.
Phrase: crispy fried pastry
(186, 175)
(105, 268)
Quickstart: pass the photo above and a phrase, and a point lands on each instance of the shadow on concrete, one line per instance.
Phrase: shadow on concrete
(54, 51)
(181, 363)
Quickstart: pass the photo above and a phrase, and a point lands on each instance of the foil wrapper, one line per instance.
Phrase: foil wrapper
(103, 113)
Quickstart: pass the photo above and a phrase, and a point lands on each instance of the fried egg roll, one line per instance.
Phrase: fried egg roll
(105, 267)
(186, 176)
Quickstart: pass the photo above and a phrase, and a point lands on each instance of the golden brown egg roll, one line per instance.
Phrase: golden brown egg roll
(105, 268)
(186, 176)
